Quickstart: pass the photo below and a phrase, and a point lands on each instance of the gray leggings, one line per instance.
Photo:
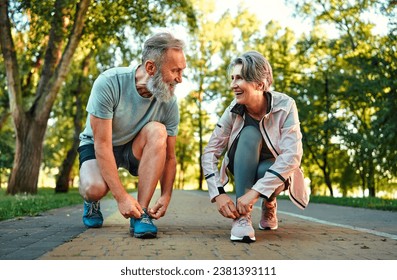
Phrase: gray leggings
(247, 166)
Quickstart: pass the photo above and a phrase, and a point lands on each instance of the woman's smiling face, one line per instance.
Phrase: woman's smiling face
(243, 90)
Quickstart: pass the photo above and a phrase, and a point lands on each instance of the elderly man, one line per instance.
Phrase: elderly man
(132, 123)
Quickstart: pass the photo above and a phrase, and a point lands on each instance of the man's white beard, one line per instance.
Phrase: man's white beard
(159, 89)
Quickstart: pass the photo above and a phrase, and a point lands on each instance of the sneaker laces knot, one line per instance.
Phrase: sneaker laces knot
(244, 221)
(94, 208)
(145, 218)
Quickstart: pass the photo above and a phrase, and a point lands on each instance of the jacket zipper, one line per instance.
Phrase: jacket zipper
(268, 138)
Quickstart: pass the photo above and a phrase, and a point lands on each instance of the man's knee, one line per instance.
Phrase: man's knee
(92, 186)
(156, 134)
(92, 192)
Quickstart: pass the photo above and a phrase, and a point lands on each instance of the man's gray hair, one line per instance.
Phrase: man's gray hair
(255, 68)
(155, 47)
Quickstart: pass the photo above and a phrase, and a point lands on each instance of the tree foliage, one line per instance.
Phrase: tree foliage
(216, 42)
(341, 74)
(38, 42)
(355, 110)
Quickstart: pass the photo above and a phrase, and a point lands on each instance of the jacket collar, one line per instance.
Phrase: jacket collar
(240, 108)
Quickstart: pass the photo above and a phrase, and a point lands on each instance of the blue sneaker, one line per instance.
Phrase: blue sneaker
(143, 227)
(92, 217)
(132, 223)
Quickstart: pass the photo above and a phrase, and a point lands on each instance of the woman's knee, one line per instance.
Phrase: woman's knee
(264, 166)
(250, 135)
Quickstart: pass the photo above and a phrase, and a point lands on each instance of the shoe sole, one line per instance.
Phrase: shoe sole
(145, 235)
(93, 226)
(245, 239)
(97, 226)
(267, 228)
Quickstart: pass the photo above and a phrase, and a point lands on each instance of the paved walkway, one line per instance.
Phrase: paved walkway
(193, 230)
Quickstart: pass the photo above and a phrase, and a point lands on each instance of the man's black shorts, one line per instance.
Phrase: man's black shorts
(123, 155)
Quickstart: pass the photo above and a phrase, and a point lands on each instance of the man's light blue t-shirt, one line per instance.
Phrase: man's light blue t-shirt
(114, 96)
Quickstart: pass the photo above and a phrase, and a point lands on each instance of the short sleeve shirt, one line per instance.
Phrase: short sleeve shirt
(114, 96)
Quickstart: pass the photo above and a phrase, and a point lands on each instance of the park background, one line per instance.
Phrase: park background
(337, 59)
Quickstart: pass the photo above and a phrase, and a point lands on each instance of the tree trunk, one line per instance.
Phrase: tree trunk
(326, 168)
(27, 160)
(328, 182)
(371, 179)
(30, 126)
(63, 180)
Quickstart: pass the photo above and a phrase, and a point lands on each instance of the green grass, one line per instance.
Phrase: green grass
(32, 205)
(365, 202)
(46, 199)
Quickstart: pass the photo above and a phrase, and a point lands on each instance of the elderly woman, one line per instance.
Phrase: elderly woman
(261, 134)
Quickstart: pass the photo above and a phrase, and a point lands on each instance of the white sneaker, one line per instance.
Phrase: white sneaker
(242, 230)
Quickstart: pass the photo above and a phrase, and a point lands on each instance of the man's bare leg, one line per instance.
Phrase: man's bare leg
(92, 187)
(149, 147)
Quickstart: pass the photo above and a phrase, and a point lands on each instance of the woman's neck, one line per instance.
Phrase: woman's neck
(257, 109)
